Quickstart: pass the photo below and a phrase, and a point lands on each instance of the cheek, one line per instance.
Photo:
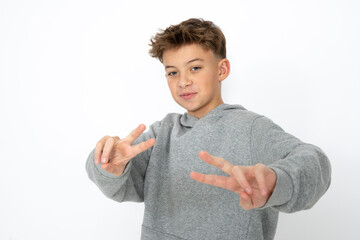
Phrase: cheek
(210, 84)
(207, 81)
(172, 86)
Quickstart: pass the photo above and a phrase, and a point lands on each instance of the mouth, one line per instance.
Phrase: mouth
(187, 96)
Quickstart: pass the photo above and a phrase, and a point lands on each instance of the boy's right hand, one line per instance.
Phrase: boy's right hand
(115, 153)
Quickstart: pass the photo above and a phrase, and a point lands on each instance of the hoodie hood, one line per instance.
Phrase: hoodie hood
(187, 120)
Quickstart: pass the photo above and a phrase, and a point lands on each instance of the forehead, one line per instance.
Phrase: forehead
(186, 53)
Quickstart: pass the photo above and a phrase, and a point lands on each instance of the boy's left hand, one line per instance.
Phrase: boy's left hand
(254, 184)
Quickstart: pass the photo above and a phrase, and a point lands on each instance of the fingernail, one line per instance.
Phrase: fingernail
(103, 160)
(247, 190)
(97, 161)
(263, 192)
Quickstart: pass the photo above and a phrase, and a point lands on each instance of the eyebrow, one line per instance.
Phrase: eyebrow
(192, 60)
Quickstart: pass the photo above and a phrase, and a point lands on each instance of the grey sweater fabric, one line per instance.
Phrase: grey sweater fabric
(177, 207)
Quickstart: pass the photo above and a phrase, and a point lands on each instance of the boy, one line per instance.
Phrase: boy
(241, 151)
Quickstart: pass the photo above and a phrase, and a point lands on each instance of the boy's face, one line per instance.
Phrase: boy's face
(194, 77)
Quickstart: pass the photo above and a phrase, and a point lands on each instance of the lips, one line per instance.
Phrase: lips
(187, 96)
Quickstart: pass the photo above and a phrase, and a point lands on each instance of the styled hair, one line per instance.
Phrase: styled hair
(193, 30)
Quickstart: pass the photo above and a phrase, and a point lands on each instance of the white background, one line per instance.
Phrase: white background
(74, 71)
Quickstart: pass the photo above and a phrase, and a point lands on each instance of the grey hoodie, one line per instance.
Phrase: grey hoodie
(177, 207)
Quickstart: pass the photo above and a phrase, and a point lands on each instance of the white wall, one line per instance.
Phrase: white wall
(74, 71)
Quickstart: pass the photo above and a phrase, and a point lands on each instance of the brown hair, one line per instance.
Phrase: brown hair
(193, 30)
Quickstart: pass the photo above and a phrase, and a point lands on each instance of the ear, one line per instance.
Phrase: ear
(224, 69)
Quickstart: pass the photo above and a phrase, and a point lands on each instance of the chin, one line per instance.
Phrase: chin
(192, 109)
(189, 105)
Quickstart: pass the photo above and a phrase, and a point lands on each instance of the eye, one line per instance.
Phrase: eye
(172, 73)
(195, 68)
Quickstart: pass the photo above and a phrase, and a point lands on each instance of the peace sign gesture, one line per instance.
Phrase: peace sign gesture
(254, 184)
(115, 153)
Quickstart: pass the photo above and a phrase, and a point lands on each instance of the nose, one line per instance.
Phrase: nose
(184, 81)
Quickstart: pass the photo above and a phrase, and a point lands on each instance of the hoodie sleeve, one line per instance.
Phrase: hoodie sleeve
(303, 170)
(130, 185)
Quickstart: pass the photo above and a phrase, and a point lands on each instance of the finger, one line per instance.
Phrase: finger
(246, 202)
(238, 173)
(107, 150)
(116, 138)
(112, 168)
(142, 146)
(217, 162)
(107, 167)
(259, 172)
(214, 180)
(98, 149)
(135, 133)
